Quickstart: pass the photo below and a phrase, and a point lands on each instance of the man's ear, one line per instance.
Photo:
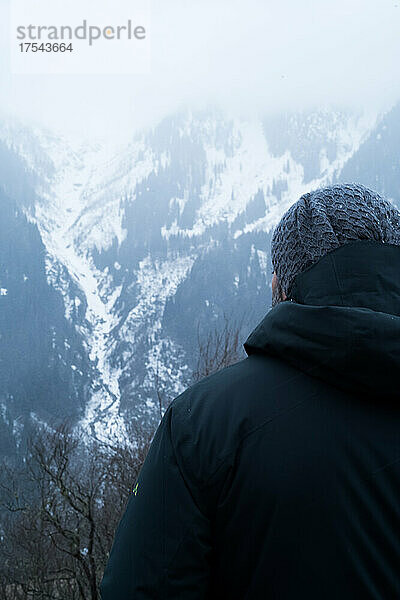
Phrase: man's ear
(278, 295)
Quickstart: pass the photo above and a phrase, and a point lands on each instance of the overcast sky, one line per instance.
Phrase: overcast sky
(248, 56)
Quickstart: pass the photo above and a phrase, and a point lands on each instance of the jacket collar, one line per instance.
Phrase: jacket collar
(342, 323)
(363, 274)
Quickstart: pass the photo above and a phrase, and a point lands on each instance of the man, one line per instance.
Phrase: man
(279, 476)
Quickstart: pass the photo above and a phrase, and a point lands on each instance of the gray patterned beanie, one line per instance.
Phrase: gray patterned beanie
(326, 219)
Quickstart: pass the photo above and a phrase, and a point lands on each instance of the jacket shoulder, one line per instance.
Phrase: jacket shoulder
(210, 420)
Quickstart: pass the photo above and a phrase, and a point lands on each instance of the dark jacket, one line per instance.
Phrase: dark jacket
(279, 477)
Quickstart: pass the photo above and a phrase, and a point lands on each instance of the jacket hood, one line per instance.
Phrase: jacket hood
(342, 322)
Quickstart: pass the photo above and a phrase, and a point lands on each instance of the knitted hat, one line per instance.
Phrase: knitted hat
(326, 219)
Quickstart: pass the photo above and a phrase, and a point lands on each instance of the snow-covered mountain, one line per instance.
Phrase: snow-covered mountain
(131, 253)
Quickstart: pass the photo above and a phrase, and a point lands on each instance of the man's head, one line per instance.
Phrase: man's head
(324, 220)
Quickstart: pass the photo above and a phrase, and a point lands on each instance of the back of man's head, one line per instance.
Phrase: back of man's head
(324, 220)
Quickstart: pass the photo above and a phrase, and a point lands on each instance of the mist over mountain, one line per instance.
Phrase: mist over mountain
(113, 263)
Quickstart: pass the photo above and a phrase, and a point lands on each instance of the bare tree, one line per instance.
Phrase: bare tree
(57, 542)
(159, 391)
(220, 348)
(60, 512)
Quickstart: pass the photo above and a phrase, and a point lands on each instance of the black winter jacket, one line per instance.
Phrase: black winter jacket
(279, 477)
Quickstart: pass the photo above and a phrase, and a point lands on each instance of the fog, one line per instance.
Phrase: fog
(247, 56)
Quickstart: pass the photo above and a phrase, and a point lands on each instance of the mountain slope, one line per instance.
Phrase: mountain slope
(156, 243)
(377, 162)
(44, 371)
